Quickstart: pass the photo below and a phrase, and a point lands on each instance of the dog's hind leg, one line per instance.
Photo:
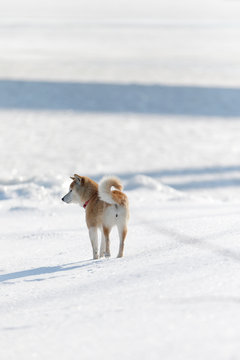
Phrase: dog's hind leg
(103, 244)
(94, 241)
(122, 231)
(106, 232)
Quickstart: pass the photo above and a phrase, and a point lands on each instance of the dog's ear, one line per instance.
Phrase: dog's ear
(79, 179)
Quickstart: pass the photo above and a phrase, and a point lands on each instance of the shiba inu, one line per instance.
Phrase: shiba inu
(104, 207)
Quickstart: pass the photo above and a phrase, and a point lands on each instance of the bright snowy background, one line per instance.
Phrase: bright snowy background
(149, 91)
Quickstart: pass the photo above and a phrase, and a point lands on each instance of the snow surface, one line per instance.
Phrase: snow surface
(148, 91)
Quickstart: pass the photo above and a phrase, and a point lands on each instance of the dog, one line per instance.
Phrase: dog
(104, 207)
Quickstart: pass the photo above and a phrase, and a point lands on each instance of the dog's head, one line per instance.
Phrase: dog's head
(76, 190)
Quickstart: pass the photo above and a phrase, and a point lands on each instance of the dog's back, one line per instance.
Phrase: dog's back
(108, 207)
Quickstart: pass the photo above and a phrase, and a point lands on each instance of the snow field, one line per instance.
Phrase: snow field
(148, 92)
(136, 306)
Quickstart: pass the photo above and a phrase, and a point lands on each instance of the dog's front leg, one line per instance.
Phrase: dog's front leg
(94, 241)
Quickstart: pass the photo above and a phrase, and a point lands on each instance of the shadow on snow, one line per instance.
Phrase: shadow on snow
(44, 270)
(120, 98)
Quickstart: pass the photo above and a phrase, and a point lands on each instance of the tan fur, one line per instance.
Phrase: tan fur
(120, 198)
(100, 214)
(116, 184)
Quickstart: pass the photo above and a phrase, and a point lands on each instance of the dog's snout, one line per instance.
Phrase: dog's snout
(63, 199)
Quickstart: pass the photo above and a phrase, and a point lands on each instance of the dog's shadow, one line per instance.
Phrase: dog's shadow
(47, 270)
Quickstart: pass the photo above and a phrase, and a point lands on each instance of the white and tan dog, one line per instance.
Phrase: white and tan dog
(104, 207)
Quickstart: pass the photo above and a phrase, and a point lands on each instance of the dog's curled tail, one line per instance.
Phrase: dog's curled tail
(112, 196)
